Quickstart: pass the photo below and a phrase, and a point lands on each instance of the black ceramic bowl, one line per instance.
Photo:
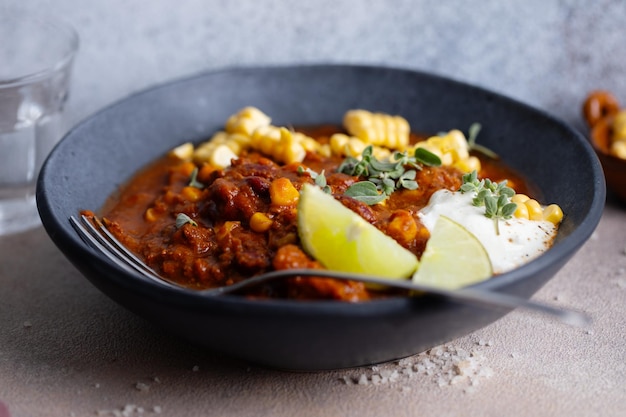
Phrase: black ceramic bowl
(105, 150)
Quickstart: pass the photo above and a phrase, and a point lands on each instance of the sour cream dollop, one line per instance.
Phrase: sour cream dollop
(519, 241)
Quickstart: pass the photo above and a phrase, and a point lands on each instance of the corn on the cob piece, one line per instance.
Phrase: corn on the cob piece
(279, 143)
(378, 128)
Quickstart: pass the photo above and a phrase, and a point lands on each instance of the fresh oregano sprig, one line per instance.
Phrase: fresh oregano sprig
(319, 179)
(193, 181)
(494, 196)
(385, 177)
(472, 135)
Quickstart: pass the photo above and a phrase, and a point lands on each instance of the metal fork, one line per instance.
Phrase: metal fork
(95, 233)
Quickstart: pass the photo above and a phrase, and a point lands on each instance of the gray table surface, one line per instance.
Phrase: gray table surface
(67, 350)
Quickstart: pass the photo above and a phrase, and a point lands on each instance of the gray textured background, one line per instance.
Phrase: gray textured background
(547, 53)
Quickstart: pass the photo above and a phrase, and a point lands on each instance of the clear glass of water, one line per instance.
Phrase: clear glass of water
(36, 55)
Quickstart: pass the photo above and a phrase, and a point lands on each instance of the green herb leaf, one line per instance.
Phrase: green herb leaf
(426, 157)
(508, 210)
(496, 197)
(388, 176)
(472, 134)
(182, 219)
(193, 181)
(366, 192)
(320, 181)
(491, 206)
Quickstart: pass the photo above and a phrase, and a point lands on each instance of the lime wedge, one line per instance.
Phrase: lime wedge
(453, 257)
(341, 240)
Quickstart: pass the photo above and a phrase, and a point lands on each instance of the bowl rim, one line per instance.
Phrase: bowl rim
(68, 241)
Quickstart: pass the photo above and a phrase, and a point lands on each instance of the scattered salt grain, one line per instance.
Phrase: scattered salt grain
(27, 324)
(130, 410)
(195, 368)
(347, 380)
(363, 380)
(445, 365)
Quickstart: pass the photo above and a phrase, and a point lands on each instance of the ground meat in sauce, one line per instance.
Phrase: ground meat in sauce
(223, 249)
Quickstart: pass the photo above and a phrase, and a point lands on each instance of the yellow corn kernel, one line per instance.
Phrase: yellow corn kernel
(429, 147)
(355, 147)
(553, 214)
(259, 222)
(535, 212)
(246, 121)
(279, 143)
(308, 144)
(265, 138)
(222, 156)
(381, 153)
(325, 151)
(468, 165)
(520, 198)
(170, 197)
(447, 159)
(453, 150)
(204, 172)
(191, 194)
(241, 139)
(203, 153)
(186, 168)
(183, 152)
(402, 226)
(150, 215)
(378, 128)
(283, 193)
(521, 212)
(344, 145)
(456, 140)
(338, 142)
(291, 150)
(224, 230)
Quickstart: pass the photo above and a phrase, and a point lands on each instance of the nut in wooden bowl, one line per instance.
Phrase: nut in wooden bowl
(607, 123)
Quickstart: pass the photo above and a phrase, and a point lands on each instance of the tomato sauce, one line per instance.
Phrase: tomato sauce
(220, 248)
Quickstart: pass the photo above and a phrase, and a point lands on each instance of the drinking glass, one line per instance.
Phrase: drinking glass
(36, 55)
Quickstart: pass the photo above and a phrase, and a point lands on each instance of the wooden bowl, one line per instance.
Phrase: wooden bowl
(614, 168)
